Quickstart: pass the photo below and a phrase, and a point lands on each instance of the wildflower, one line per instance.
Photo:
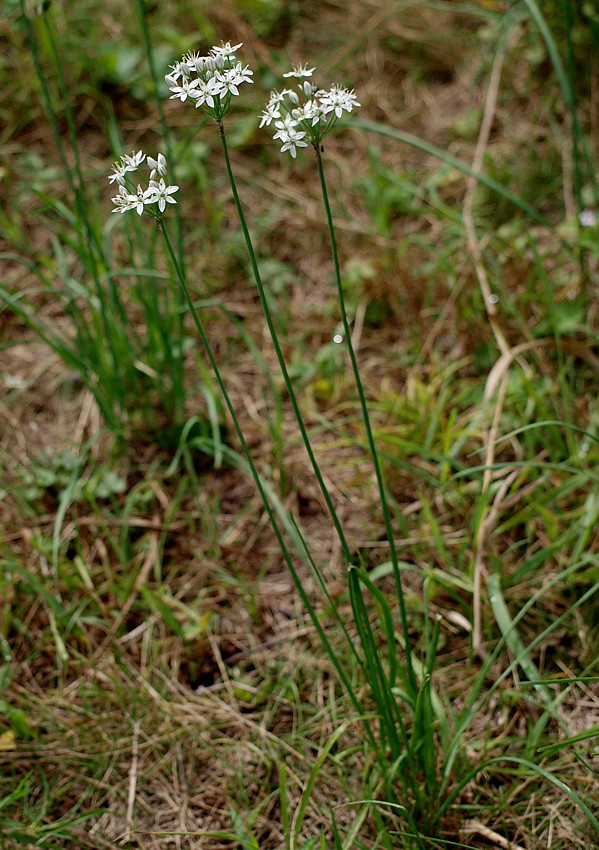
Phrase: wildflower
(179, 69)
(233, 77)
(119, 169)
(207, 92)
(300, 71)
(156, 194)
(161, 194)
(338, 99)
(307, 117)
(270, 114)
(133, 162)
(588, 218)
(291, 140)
(226, 50)
(185, 90)
(211, 81)
(124, 201)
(144, 196)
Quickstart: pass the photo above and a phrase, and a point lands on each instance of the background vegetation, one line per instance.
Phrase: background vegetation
(160, 682)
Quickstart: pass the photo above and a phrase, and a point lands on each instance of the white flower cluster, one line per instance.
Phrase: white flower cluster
(209, 81)
(157, 191)
(306, 118)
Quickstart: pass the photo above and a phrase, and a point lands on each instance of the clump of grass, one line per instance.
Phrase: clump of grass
(136, 378)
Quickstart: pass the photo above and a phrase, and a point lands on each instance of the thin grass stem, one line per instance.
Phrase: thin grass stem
(279, 353)
(257, 480)
(368, 427)
(158, 99)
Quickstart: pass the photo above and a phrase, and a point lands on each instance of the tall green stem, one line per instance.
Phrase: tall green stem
(279, 353)
(256, 476)
(367, 426)
(179, 307)
(158, 99)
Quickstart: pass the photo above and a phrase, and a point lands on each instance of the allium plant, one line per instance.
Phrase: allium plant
(300, 119)
(413, 730)
(418, 741)
(211, 81)
(219, 74)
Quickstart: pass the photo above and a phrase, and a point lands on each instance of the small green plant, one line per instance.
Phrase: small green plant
(136, 376)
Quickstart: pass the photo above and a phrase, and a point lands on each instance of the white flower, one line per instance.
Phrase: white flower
(207, 91)
(119, 169)
(300, 71)
(132, 163)
(124, 201)
(338, 99)
(209, 80)
(142, 198)
(193, 62)
(292, 139)
(588, 218)
(270, 114)
(311, 112)
(278, 97)
(306, 118)
(185, 90)
(233, 77)
(286, 126)
(179, 69)
(161, 194)
(227, 50)
(158, 166)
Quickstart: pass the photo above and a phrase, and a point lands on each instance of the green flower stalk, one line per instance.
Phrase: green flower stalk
(210, 82)
(152, 201)
(306, 119)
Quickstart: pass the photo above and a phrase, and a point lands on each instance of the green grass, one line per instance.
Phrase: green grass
(171, 676)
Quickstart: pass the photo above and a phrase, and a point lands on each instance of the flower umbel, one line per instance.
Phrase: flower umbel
(306, 118)
(151, 200)
(209, 81)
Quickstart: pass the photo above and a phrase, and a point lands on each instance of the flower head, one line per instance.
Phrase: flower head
(152, 199)
(307, 114)
(210, 81)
